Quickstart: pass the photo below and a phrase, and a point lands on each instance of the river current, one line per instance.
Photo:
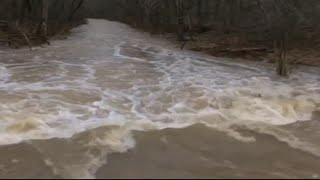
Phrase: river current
(111, 101)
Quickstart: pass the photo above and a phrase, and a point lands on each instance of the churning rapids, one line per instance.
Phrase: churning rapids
(113, 102)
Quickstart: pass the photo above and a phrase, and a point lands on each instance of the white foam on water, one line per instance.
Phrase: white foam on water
(117, 140)
(4, 74)
(95, 85)
(284, 136)
(117, 53)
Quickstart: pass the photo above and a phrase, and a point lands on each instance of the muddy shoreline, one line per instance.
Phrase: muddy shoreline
(231, 46)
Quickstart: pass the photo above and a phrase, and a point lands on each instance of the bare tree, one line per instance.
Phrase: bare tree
(75, 7)
(44, 21)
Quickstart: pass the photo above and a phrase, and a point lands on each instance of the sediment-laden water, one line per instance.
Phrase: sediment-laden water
(113, 102)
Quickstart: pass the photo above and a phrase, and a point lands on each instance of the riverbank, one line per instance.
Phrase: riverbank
(233, 45)
(27, 34)
(302, 49)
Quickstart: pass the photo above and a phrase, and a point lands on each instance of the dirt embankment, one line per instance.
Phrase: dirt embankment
(305, 51)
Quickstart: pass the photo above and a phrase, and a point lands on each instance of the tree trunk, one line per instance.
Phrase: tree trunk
(44, 24)
(74, 10)
(180, 16)
(282, 65)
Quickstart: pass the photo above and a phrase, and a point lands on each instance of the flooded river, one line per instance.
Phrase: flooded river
(112, 102)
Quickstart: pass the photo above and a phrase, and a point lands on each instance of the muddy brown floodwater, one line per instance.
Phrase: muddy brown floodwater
(112, 102)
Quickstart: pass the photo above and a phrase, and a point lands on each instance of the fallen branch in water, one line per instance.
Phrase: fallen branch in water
(244, 50)
(232, 50)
